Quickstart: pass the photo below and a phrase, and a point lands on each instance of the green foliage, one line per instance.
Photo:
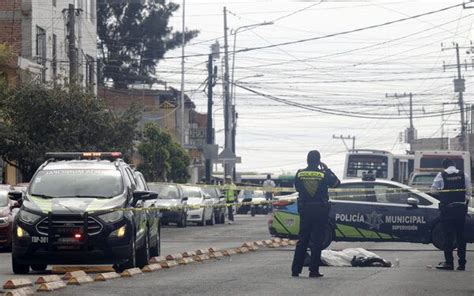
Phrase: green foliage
(37, 119)
(163, 159)
(133, 37)
(6, 53)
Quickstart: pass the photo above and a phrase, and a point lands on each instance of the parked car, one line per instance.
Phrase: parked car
(7, 214)
(200, 206)
(376, 210)
(422, 181)
(220, 209)
(257, 198)
(171, 197)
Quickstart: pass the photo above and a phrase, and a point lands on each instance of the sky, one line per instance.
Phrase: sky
(341, 74)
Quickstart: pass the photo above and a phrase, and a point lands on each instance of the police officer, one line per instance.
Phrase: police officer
(229, 190)
(453, 188)
(312, 185)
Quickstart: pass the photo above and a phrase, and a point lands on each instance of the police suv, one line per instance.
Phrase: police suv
(83, 208)
(372, 210)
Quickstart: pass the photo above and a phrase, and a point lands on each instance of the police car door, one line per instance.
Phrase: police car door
(398, 219)
(352, 212)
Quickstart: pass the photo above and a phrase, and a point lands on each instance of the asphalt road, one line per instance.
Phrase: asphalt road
(267, 271)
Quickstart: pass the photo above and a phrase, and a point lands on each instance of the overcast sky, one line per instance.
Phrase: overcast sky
(349, 73)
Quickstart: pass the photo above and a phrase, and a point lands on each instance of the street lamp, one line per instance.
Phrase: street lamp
(234, 32)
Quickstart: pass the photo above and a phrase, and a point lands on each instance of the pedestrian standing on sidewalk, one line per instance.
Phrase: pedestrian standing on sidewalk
(312, 185)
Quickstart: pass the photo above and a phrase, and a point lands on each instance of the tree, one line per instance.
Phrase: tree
(163, 159)
(133, 37)
(38, 118)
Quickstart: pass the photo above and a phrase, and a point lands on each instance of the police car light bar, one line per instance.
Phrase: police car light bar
(83, 155)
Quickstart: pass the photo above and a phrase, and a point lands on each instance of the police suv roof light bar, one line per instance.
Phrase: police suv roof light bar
(83, 155)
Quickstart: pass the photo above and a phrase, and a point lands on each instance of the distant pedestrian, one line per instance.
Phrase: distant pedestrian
(313, 206)
(268, 186)
(453, 188)
(230, 191)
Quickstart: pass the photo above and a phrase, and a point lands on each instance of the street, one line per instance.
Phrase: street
(267, 271)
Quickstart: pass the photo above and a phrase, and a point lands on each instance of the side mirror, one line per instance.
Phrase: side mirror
(413, 201)
(15, 195)
(143, 195)
(184, 199)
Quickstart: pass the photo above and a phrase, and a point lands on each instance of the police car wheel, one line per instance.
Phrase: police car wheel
(131, 260)
(437, 237)
(19, 268)
(156, 250)
(182, 223)
(143, 253)
(253, 211)
(328, 237)
(211, 221)
(39, 267)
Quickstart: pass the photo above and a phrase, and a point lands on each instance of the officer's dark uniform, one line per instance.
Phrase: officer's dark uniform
(312, 185)
(453, 210)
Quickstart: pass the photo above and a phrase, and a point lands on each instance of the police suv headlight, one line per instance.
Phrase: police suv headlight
(120, 232)
(112, 217)
(3, 221)
(28, 217)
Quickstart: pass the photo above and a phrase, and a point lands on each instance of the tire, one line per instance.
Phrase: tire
(143, 253)
(223, 218)
(131, 260)
(19, 268)
(328, 237)
(183, 221)
(212, 220)
(39, 267)
(203, 222)
(156, 250)
(253, 211)
(437, 237)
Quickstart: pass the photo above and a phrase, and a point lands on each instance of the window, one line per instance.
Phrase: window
(166, 191)
(395, 195)
(350, 192)
(41, 51)
(90, 70)
(54, 62)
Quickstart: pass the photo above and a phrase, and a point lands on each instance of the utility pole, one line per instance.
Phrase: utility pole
(410, 133)
(72, 52)
(228, 166)
(460, 88)
(343, 138)
(182, 100)
(211, 81)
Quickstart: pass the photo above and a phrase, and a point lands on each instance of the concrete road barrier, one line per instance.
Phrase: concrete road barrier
(185, 261)
(87, 269)
(169, 264)
(229, 252)
(152, 267)
(48, 279)
(17, 283)
(201, 252)
(189, 254)
(71, 274)
(106, 276)
(158, 259)
(80, 280)
(131, 272)
(200, 258)
(174, 256)
(52, 286)
(216, 255)
(25, 291)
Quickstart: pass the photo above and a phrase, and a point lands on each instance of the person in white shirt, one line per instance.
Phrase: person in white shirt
(268, 185)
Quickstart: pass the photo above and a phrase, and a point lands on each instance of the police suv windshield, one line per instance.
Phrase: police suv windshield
(3, 198)
(77, 183)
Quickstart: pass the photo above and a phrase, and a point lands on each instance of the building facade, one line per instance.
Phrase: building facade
(38, 32)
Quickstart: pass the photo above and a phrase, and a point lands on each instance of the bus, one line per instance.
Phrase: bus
(383, 164)
(431, 161)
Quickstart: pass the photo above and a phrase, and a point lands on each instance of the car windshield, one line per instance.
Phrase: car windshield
(77, 183)
(3, 198)
(191, 192)
(423, 179)
(165, 191)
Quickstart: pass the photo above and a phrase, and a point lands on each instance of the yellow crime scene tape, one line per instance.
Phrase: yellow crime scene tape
(279, 200)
